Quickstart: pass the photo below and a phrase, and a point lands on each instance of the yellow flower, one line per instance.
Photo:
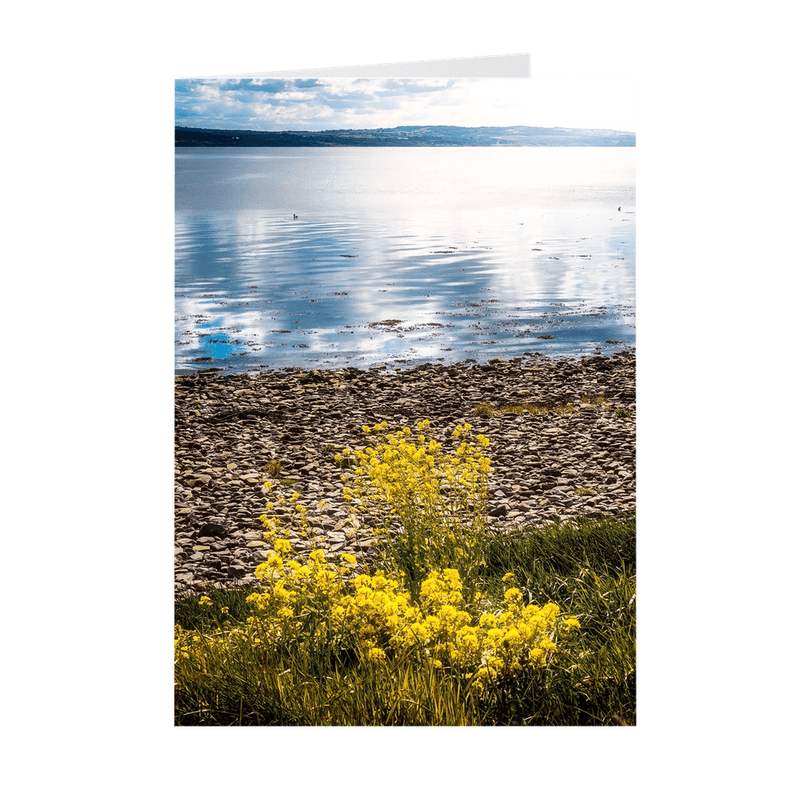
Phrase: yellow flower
(569, 624)
(376, 655)
(282, 546)
(275, 562)
(205, 601)
(536, 656)
(511, 637)
(513, 596)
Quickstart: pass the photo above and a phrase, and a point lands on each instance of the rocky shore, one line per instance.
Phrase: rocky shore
(573, 455)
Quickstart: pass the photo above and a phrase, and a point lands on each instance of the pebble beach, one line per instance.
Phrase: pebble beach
(573, 455)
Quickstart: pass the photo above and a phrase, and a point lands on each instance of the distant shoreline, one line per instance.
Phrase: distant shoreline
(408, 136)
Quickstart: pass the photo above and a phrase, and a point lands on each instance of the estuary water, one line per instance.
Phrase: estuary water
(328, 257)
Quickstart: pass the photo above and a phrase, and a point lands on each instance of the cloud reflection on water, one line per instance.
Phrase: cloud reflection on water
(308, 291)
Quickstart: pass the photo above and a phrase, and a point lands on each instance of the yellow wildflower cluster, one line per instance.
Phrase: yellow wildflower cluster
(281, 509)
(519, 637)
(427, 512)
(427, 507)
(187, 645)
(324, 604)
(281, 611)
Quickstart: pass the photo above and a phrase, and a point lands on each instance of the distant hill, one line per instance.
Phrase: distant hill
(408, 136)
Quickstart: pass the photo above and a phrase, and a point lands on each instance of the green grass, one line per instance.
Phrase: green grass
(489, 410)
(190, 615)
(588, 568)
(288, 689)
(563, 409)
(274, 468)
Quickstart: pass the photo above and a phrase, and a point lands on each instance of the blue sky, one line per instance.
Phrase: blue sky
(275, 104)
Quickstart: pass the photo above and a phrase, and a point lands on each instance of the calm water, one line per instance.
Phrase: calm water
(401, 255)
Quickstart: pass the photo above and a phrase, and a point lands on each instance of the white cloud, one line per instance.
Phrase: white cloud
(584, 102)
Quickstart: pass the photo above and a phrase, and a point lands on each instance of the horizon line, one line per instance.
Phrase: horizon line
(396, 127)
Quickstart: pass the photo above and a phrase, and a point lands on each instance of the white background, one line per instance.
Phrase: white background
(88, 398)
